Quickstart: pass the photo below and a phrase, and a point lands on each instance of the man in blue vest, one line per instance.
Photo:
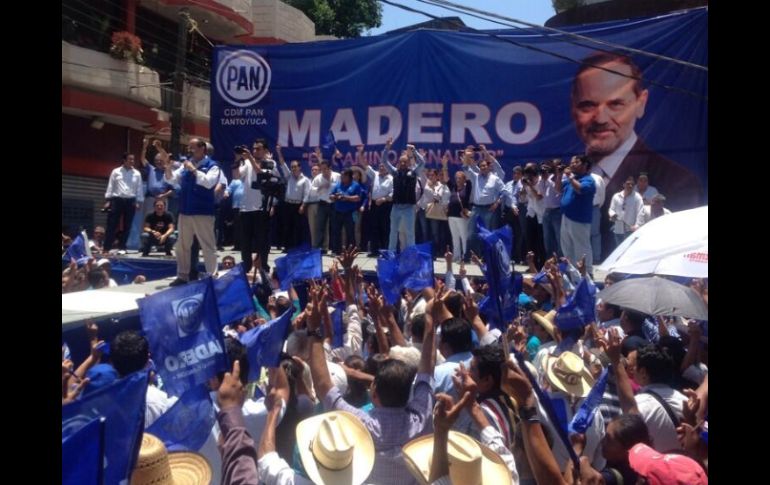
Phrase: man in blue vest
(197, 177)
(404, 195)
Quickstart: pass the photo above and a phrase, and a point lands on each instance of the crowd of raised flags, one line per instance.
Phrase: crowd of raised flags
(558, 429)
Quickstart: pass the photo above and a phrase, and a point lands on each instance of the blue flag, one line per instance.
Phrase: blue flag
(186, 340)
(579, 310)
(81, 454)
(301, 263)
(585, 415)
(234, 298)
(78, 250)
(187, 424)
(122, 404)
(265, 342)
(339, 309)
(548, 407)
(329, 145)
(412, 269)
(501, 303)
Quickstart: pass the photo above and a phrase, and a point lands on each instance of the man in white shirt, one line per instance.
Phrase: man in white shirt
(659, 405)
(323, 184)
(596, 235)
(293, 217)
(255, 213)
(534, 188)
(624, 210)
(652, 211)
(311, 205)
(381, 202)
(125, 194)
(487, 196)
(644, 188)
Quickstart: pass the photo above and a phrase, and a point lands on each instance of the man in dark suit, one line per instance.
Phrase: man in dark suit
(605, 107)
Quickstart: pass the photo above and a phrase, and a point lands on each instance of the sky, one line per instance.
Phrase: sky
(533, 11)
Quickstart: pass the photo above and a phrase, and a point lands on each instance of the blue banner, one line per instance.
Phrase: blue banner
(265, 342)
(299, 264)
(124, 271)
(501, 303)
(187, 424)
(122, 404)
(234, 298)
(81, 455)
(78, 250)
(580, 308)
(511, 90)
(185, 335)
(337, 327)
(412, 269)
(585, 414)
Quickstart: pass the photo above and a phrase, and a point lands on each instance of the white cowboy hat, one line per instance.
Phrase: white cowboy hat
(470, 462)
(335, 448)
(568, 373)
(546, 320)
(156, 466)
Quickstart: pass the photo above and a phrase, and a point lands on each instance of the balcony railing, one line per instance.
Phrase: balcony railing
(97, 71)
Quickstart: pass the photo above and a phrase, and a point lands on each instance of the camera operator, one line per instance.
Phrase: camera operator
(292, 211)
(534, 185)
(552, 204)
(258, 172)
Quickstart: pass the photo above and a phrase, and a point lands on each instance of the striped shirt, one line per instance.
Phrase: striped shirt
(499, 411)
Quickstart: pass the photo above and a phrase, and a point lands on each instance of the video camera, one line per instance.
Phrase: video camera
(267, 182)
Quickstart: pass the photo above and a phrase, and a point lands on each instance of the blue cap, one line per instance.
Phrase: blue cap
(99, 376)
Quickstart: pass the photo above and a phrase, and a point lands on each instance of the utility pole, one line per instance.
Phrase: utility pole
(179, 75)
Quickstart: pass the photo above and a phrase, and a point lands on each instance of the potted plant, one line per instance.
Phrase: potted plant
(126, 46)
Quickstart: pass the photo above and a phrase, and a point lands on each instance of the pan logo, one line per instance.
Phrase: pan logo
(187, 313)
(243, 78)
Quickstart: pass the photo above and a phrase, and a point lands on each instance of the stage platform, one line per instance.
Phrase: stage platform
(120, 302)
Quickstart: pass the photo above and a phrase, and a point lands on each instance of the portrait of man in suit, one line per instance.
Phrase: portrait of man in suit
(608, 97)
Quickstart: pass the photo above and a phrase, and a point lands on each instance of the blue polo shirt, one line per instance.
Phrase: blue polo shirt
(342, 205)
(579, 207)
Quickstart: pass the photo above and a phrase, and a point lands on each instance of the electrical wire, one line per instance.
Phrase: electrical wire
(447, 4)
(555, 54)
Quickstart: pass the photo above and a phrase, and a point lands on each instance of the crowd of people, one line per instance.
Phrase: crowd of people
(551, 206)
(427, 391)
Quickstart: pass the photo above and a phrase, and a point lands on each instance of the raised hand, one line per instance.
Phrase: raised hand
(515, 383)
(348, 256)
(463, 381)
(446, 411)
(231, 392)
(690, 407)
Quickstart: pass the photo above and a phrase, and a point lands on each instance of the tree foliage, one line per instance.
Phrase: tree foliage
(341, 18)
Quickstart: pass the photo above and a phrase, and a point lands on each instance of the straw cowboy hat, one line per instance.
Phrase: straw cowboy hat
(156, 466)
(335, 448)
(470, 462)
(568, 373)
(546, 320)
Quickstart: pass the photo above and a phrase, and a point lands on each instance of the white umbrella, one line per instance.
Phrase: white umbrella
(675, 244)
